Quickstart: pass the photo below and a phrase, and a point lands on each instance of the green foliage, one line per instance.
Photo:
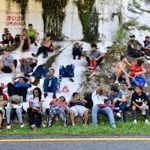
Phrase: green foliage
(53, 16)
(89, 19)
(130, 23)
(144, 28)
(120, 35)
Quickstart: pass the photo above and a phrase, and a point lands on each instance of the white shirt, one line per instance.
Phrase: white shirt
(97, 99)
(35, 102)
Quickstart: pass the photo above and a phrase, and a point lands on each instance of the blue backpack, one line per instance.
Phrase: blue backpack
(140, 80)
(67, 71)
(41, 71)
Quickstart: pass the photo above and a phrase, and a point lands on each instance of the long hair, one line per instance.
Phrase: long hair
(39, 93)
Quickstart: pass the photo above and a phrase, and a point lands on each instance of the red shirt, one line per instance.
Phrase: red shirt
(135, 69)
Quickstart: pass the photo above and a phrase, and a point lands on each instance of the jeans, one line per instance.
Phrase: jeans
(107, 110)
(134, 81)
(18, 112)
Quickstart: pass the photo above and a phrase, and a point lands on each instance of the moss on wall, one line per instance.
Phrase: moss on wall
(89, 19)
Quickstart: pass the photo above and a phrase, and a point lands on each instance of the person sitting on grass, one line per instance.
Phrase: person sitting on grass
(77, 50)
(25, 44)
(33, 34)
(101, 107)
(120, 73)
(50, 84)
(35, 109)
(3, 104)
(140, 102)
(94, 55)
(14, 105)
(58, 106)
(44, 49)
(27, 65)
(7, 63)
(118, 101)
(19, 86)
(134, 47)
(77, 107)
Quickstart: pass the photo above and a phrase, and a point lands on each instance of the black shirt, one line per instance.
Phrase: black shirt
(139, 100)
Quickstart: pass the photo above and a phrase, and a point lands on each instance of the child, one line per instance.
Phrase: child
(140, 102)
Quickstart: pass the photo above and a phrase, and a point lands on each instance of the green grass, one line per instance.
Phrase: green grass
(103, 128)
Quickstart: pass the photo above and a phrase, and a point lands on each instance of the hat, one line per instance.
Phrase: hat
(132, 35)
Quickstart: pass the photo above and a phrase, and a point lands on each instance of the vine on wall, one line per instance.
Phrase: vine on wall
(23, 7)
(53, 16)
(89, 19)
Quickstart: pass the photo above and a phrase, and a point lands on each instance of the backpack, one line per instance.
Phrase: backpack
(141, 81)
(41, 71)
(67, 71)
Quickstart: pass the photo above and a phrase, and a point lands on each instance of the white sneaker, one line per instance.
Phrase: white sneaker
(146, 85)
(146, 122)
(22, 125)
(8, 127)
(135, 121)
(114, 126)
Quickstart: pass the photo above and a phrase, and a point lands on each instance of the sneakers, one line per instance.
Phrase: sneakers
(114, 126)
(22, 125)
(8, 127)
(135, 121)
(146, 122)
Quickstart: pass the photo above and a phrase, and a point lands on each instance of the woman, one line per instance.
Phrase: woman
(137, 70)
(25, 41)
(58, 107)
(45, 45)
(77, 107)
(35, 109)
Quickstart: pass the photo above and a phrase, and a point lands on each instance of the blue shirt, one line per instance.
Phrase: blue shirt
(8, 60)
(118, 95)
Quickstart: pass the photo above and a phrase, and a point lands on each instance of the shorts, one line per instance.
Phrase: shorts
(78, 110)
(7, 69)
(121, 78)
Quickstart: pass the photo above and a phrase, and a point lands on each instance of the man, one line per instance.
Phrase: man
(140, 102)
(50, 84)
(32, 33)
(94, 54)
(7, 63)
(146, 48)
(134, 47)
(118, 100)
(15, 104)
(99, 106)
(19, 86)
(77, 50)
(120, 72)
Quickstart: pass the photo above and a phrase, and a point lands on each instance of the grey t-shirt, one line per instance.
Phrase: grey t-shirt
(95, 54)
(8, 60)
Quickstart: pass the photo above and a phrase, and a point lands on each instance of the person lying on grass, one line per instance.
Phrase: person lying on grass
(77, 107)
(58, 106)
(140, 102)
(101, 107)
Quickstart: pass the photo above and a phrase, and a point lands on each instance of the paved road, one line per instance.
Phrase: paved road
(100, 143)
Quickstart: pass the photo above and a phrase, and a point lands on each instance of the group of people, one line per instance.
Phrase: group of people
(111, 102)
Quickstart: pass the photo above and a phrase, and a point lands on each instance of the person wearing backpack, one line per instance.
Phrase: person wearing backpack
(50, 84)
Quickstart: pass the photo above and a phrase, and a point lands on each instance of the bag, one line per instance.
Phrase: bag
(140, 80)
(101, 106)
(67, 71)
(41, 71)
